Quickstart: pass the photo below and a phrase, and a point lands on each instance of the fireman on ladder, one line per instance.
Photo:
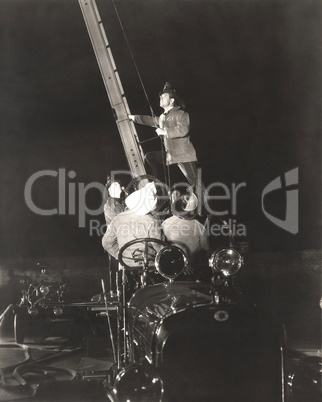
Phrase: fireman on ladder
(173, 125)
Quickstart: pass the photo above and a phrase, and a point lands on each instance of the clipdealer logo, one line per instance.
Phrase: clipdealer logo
(69, 204)
(72, 198)
(67, 200)
(291, 221)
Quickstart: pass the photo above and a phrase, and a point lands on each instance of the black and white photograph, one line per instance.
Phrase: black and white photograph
(160, 199)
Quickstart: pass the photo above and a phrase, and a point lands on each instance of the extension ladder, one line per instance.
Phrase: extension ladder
(114, 89)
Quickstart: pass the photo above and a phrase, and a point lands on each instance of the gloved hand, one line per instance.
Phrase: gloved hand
(131, 116)
(159, 131)
(115, 190)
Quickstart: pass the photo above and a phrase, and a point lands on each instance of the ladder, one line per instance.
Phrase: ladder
(113, 86)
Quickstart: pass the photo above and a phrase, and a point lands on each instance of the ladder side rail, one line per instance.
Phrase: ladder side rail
(113, 86)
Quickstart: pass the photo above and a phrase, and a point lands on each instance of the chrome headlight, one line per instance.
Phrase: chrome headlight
(33, 311)
(305, 380)
(58, 310)
(44, 290)
(170, 262)
(138, 383)
(226, 261)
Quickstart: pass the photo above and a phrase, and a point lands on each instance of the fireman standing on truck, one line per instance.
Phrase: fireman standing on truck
(173, 125)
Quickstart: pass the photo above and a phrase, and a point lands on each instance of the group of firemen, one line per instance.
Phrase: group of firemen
(137, 215)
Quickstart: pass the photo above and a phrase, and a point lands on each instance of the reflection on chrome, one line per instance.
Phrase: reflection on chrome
(226, 261)
(138, 383)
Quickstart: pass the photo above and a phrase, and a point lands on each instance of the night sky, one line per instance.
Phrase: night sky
(249, 72)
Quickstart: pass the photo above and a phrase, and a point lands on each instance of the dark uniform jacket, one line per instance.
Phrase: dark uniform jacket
(178, 146)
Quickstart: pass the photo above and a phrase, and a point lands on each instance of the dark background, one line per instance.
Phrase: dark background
(249, 71)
